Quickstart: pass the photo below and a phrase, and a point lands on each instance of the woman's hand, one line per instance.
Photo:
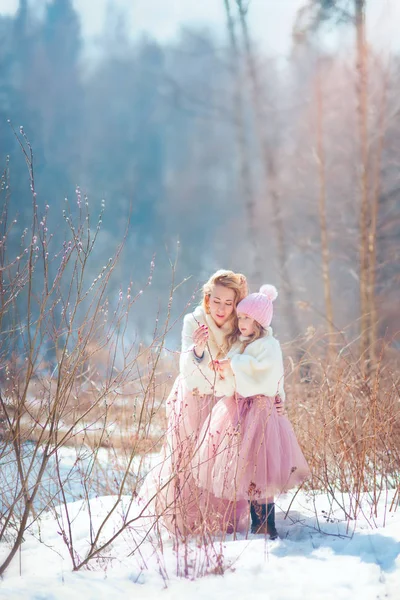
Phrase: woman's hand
(200, 339)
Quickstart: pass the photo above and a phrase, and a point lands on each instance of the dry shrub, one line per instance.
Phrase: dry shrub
(122, 416)
(348, 424)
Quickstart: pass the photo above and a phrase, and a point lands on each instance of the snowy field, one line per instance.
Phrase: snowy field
(320, 556)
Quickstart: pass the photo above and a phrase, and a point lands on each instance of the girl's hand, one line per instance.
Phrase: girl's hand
(280, 409)
(200, 339)
(219, 367)
(223, 366)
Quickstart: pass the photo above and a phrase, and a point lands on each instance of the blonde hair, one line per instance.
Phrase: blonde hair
(259, 332)
(234, 281)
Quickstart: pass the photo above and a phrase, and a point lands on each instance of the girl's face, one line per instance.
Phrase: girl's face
(222, 304)
(246, 324)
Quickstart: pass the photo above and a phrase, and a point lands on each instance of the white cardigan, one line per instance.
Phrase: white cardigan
(259, 370)
(197, 374)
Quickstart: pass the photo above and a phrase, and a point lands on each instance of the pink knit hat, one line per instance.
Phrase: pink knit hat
(259, 306)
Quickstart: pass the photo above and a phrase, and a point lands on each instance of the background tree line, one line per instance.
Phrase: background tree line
(288, 174)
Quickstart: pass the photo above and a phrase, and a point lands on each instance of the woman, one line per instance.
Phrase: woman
(208, 334)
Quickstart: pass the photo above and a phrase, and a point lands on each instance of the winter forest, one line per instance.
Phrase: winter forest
(205, 144)
(127, 178)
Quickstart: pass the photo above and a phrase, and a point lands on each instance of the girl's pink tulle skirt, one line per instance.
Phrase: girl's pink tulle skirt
(247, 451)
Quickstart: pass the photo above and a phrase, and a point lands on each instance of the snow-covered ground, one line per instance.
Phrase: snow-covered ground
(320, 556)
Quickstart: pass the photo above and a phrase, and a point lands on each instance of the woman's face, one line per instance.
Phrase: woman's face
(221, 303)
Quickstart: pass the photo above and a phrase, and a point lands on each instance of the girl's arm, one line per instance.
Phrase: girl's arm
(260, 369)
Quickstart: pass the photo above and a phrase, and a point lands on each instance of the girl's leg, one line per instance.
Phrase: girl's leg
(270, 518)
(263, 518)
(256, 516)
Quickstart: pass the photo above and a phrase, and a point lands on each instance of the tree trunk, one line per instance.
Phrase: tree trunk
(322, 209)
(362, 109)
(372, 258)
(245, 171)
(271, 182)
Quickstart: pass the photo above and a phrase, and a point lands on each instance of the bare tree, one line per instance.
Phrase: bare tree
(321, 161)
(354, 11)
(242, 145)
(269, 152)
(50, 302)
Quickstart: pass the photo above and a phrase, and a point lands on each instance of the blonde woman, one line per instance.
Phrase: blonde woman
(209, 333)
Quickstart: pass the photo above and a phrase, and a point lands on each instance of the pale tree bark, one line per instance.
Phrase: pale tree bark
(365, 216)
(375, 201)
(368, 207)
(242, 145)
(271, 178)
(321, 160)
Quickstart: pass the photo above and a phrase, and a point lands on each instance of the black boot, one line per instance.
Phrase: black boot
(271, 529)
(256, 513)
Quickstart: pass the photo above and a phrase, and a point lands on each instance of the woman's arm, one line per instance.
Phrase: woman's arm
(195, 367)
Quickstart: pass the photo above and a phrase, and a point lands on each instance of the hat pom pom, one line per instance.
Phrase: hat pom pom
(270, 291)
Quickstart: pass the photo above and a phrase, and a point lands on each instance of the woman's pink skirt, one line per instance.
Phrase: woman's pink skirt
(183, 507)
(247, 451)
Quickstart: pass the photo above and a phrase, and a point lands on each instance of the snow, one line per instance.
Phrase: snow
(320, 556)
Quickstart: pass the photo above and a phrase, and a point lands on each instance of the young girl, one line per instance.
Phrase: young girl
(248, 450)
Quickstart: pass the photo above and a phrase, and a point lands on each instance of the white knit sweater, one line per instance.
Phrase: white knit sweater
(259, 370)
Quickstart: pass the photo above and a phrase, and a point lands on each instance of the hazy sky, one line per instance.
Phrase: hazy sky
(271, 21)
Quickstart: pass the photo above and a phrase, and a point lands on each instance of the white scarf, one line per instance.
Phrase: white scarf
(217, 334)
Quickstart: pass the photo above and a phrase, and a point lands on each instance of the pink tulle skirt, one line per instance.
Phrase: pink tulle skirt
(247, 451)
(183, 507)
